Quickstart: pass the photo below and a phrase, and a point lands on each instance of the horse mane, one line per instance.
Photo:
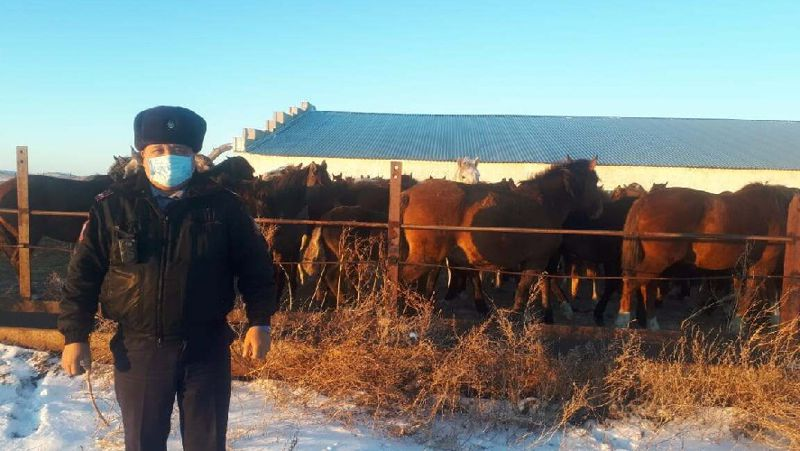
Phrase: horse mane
(553, 177)
(782, 193)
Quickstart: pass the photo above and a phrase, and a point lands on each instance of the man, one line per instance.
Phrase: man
(160, 253)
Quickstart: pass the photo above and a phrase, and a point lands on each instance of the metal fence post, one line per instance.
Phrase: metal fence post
(790, 297)
(23, 224)
(393, 254)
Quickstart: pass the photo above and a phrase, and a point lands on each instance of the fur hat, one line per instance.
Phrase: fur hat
(169, 125)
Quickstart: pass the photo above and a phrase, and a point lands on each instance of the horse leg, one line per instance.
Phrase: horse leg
(591, 271)
(649, 304)
(457, 284)
(523, 289)
(430, 281)
(8, 241)
(630, 289)
(574, 280)
(478, 295)
(744, 306)
(279, 275)
(566, 308)
(612, 285)
(333, 278)
(544, 284)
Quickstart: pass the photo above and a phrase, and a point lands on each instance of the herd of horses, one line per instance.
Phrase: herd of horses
(567, 195)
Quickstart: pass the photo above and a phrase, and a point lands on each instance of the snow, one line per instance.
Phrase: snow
(43, 409)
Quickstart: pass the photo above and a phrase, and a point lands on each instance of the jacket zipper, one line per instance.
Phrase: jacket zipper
(161, 276)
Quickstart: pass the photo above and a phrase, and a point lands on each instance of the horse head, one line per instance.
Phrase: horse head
(232, 172)
(318, 174)
(658, 186)
(312, 249)
(467, 171)
(117, 170)
(204, 163)
(631, 190)
(581, 183)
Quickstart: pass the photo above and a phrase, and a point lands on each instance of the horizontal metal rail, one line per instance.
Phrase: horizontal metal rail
(521, 230)
(77, 214)
(373, 225)
(618, 233)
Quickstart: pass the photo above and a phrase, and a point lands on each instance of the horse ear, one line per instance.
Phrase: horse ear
(593, 163)
(324, 164)
(476, 160)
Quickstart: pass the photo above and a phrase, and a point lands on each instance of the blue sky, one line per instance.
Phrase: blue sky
(73, 74)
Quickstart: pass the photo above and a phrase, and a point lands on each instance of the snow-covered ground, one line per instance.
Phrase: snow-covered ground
(42, 409)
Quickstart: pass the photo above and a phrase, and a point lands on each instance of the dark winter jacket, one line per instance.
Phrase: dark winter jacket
(166, 275)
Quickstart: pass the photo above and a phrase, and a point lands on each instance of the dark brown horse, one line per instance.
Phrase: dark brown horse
(754, 210)
(460, 278)
(284, 194)
(544, 201)
(52, 194)
(332, 244)
(599, 251)
(372, 194)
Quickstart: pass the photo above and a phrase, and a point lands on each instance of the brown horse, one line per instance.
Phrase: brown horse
(631, 190)
(754, 210)
(544, 201)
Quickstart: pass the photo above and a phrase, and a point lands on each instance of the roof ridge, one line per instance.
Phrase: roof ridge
(553, 116)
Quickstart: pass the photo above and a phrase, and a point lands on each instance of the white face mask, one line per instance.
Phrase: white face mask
(170, 171)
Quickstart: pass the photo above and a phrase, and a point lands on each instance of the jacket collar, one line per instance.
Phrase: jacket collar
(139, 186)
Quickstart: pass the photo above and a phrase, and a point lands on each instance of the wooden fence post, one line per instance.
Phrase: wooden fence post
(393, 254)
(790, 298)
(23, 224)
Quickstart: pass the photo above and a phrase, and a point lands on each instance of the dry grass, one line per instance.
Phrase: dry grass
(418, 368)
(756, 378)
(412, 369)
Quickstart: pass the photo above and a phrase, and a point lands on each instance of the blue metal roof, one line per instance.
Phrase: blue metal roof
(714, 143)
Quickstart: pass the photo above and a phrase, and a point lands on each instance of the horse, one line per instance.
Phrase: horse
(283, 194)
(330, 243)
(231, 172)
(543, 201)
(630, 190)
(458, 278)
(372, 194)
(467, 170)
(756, 209)
(599, 251)
(52, 194)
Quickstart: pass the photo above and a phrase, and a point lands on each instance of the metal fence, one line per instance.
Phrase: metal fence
(790, 300)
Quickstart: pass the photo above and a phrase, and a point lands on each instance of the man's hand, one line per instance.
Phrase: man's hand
(256, 342)
(76, 358)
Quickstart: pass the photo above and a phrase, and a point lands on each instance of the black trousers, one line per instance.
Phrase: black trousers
(148, 378)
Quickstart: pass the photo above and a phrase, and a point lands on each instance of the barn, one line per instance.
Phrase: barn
(710, 154)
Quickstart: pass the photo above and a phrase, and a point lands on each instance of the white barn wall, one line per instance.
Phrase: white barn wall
(711, 180)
